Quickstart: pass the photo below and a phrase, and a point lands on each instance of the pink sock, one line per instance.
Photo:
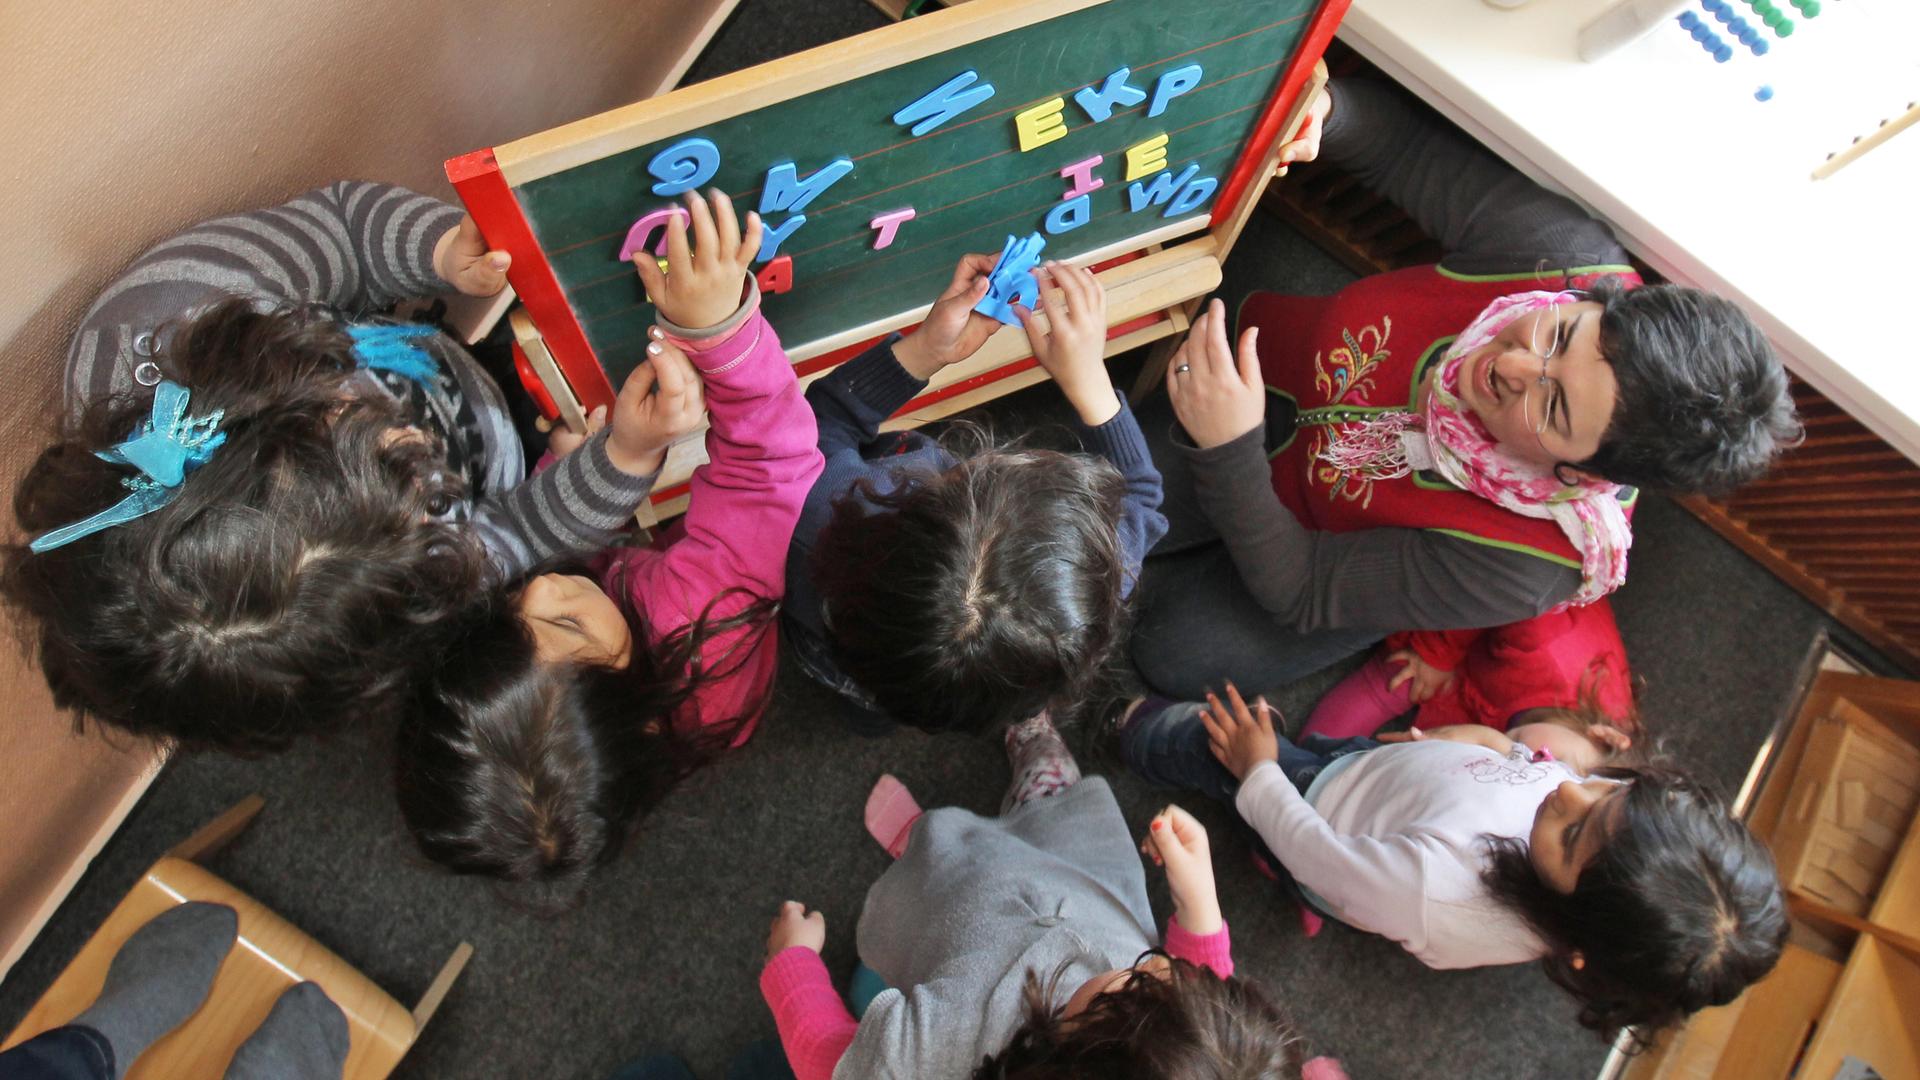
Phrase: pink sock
(1323, 1068)
(890, 814)
(1360, 703)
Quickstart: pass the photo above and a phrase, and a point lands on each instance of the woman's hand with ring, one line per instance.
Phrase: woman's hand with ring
(1218, 398)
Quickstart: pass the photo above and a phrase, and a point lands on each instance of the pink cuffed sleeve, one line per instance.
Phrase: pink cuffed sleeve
(1212, 951)
(815, 1027)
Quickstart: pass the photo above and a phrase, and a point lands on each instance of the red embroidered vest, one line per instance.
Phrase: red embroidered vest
(1363, 351)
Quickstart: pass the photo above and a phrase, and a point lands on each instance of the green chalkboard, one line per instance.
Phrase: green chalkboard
(968, 182)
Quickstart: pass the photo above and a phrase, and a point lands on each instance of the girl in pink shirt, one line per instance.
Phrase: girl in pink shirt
(573, 700)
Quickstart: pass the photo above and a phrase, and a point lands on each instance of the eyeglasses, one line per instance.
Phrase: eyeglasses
(1540, 406)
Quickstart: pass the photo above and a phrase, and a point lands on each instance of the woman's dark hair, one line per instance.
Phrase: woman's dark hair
(533, 773)
(1681, 909)
(979, 595)
(1191, 1025)
(1703, 405)
(291, 585)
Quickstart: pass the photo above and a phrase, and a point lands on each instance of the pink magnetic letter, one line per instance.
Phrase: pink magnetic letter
(889, 225)
(642, 229)
(1081, 173)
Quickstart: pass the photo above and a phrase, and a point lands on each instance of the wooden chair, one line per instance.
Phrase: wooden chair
(270, 955)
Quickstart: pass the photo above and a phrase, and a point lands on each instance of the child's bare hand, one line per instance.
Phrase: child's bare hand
(702, 282)
(1610, 738)
(1305, 144)
(1409, 735)
(1241, 738)
(952, 331)
(1217, 397)
(795, 925)
(1072, 347)
(1428, 681)
(1178, 843)
(661, 401)
(563, 440)
(462, 260)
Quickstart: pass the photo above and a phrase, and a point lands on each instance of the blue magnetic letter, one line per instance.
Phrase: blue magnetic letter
(1172, 85)
(1069, 215)
(944, 102)
(1011, 281)
(783, 193)
(1115, 91)
(1192, 196)
(771, 236)
(684, 166)
(1139, 197)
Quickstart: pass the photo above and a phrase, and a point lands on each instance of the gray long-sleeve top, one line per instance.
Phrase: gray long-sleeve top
(357, 248)
(1491, 220)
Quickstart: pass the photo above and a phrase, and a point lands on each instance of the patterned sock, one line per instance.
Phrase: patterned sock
(159, 978)
(891, 812)
(1042, 764)
(303, 1038)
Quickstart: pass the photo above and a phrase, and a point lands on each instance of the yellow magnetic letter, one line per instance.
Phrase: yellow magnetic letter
(1147, 158)
(1041, 124)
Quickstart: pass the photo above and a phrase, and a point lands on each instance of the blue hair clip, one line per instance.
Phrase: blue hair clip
(167, 446)
(391, 347)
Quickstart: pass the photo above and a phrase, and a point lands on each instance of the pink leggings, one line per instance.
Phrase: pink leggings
(1361, 702)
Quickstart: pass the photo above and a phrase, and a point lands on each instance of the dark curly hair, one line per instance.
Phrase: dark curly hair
(976, 596)
(533, 773)
(1681, 909)
(1190, 1025)
(1703, 404)
(291, 585)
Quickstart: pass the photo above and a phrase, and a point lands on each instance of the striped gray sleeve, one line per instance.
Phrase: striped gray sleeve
(574, 507)
(353, 245)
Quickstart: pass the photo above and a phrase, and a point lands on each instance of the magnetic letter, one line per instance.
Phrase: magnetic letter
(1012, 279)
(1139, 196)
(684, 166)
(1172, 85)
(1115, 91)
(1069, 215)
(944, 102)
(1081, 173)
(771, 235)
(1192, 196)
(784, 194)
(889, 225)
(776, 277)
(1041, 124)
(642, 229)
(1147, 158)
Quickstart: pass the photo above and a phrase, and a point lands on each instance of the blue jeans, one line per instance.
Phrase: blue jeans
(1165, 742)
(64, 1053)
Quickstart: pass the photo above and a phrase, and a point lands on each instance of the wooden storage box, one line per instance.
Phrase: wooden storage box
(1852, 800)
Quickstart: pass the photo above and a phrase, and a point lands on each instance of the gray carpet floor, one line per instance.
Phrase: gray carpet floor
(665, 951)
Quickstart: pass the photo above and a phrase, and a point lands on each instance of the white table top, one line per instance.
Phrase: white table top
(1710, 186)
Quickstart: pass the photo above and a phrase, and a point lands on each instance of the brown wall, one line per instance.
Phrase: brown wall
(126, 121)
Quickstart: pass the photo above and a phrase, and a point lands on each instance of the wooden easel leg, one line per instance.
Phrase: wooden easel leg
(443, 982)
(1153, 373)
(218, 833)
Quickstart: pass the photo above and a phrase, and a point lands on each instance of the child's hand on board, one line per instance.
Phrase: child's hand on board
(1071, 348)
(563, 440)
(1427, 681)
(1178, 844)
(702, 282)
(1240, 738)
(795, 925)
(462, 260)
(661, 401)
(952, 331)
(1217, 397)
(1305, 145)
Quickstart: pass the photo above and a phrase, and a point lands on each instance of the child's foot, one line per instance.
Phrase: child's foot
(160, 977)
(304, 1038)
(1042, 764)
(890, 814)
